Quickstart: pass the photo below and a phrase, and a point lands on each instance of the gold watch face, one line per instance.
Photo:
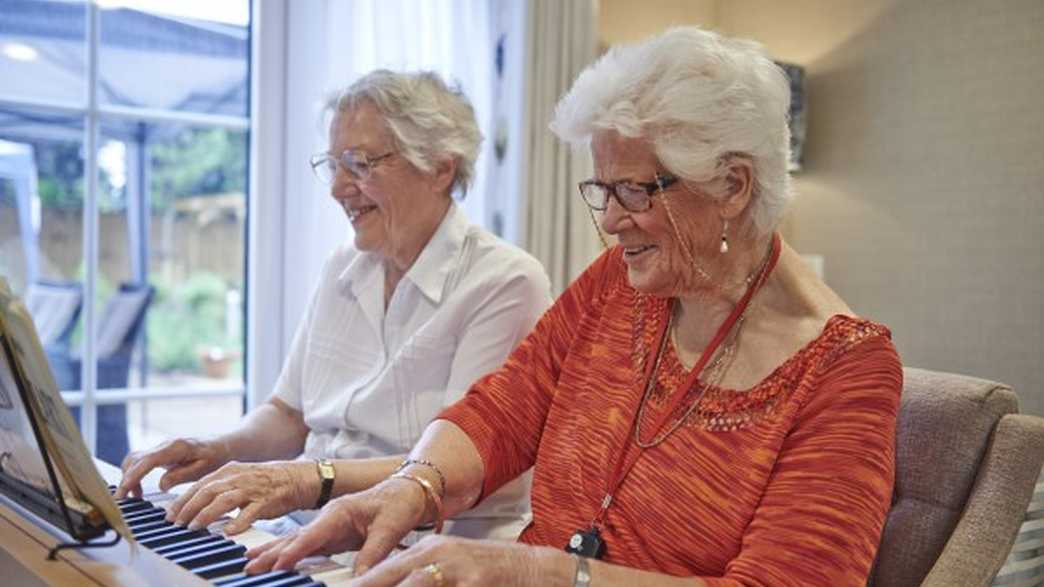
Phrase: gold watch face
(326, 469)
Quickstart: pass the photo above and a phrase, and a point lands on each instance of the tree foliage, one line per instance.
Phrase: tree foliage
(198, 162)
(192, 162)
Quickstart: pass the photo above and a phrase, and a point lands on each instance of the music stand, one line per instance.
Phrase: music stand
(31, 474)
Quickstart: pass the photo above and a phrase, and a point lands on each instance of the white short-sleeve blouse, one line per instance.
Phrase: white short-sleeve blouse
(368, 381)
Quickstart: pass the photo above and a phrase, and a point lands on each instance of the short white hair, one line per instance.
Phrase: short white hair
(429, 120)
(698, 98)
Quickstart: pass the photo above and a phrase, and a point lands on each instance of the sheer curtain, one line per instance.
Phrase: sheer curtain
(330, 43)
(555, 225)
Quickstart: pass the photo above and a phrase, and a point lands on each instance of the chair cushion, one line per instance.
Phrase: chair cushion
(944, 426)
(117, 320)
(54, 308)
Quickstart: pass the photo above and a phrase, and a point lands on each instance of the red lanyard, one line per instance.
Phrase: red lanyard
(632, 453)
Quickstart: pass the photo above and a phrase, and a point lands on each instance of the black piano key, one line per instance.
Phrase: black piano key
(153, 533)
(194, 549)
(142, 517)
(222, 568)
(138, 529)
(167, 536)
(312, 584)
(135, 506)
(254, 580)
(177, 547)
(294, 581)
(208, 555)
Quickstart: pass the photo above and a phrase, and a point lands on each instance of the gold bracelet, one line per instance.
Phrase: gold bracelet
(428, 464)
(429, 491)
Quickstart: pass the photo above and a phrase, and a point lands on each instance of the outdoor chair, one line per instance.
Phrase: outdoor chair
(966, 467)
(55, 307)
(119, 325)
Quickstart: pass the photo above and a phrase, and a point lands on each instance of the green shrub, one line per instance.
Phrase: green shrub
(184, 319)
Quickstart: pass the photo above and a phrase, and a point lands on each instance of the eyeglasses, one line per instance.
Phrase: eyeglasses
(632, 196)
(324, 165)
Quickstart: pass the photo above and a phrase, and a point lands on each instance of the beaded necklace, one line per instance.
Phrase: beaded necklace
(716, 370)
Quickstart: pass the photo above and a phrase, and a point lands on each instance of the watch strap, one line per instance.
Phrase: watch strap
(582, 578)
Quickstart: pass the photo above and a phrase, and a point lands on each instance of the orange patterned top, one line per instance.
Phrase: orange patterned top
(787, 483)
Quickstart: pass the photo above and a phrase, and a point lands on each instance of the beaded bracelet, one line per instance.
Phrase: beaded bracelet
(430, 492)
(424, 463)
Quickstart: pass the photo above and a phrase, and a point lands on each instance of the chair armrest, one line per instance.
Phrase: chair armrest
(996, 506)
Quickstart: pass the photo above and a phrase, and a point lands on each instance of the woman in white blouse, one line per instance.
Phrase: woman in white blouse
(399, 326)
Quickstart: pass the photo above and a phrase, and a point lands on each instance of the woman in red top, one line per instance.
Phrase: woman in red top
(699, 407)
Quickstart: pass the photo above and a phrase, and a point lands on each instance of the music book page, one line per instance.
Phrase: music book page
(81, 484)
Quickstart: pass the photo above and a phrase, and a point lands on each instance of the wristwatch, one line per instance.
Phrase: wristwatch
(583, 573)
(326, 475)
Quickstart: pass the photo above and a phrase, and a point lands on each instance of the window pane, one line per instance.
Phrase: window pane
(194, 59)
(172, 208)
(153, 421)
(41, 229)
(42, 50)
(196, 261)
(172, 211)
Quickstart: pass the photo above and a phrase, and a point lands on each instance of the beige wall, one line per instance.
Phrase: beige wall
(622, 21)
(924, 179)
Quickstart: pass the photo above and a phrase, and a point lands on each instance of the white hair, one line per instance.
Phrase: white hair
(429, 121)
(698, 98)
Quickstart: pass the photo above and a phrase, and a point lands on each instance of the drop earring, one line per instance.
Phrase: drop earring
(724, 248)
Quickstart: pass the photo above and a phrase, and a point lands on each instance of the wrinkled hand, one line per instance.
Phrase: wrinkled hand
(463, 562)
(259, 490)
(372, 521)
(185, 459)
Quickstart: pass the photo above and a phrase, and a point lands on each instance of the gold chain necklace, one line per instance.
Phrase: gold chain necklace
(715, 371)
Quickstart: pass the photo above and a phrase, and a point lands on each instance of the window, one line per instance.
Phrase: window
(123, 186)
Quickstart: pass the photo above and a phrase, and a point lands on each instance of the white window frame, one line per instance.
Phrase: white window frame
(92, 113)
(268, 335)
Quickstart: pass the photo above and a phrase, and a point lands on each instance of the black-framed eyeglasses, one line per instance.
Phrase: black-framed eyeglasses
(633, 196)
(359, 165)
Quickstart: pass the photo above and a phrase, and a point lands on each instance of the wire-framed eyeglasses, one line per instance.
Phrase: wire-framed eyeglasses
(633, 196)
(358, 165)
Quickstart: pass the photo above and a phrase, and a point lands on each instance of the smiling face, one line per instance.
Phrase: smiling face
(396, 208)
(658, 263)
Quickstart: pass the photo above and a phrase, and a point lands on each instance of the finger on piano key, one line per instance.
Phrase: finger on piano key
(178, 541)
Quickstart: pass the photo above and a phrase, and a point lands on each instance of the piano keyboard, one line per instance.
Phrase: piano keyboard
(207, 555)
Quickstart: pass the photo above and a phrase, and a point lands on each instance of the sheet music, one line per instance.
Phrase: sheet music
(19, 454)
(80, 482)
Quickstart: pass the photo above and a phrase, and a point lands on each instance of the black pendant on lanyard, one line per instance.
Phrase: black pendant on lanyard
(587, 543)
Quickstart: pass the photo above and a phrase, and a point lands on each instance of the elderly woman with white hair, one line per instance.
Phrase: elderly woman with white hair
(699, 407)
(400, 324)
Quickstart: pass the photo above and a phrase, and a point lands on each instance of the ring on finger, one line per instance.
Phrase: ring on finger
(435, 572)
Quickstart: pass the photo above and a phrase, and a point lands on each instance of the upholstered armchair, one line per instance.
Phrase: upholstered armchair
(966, 467)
